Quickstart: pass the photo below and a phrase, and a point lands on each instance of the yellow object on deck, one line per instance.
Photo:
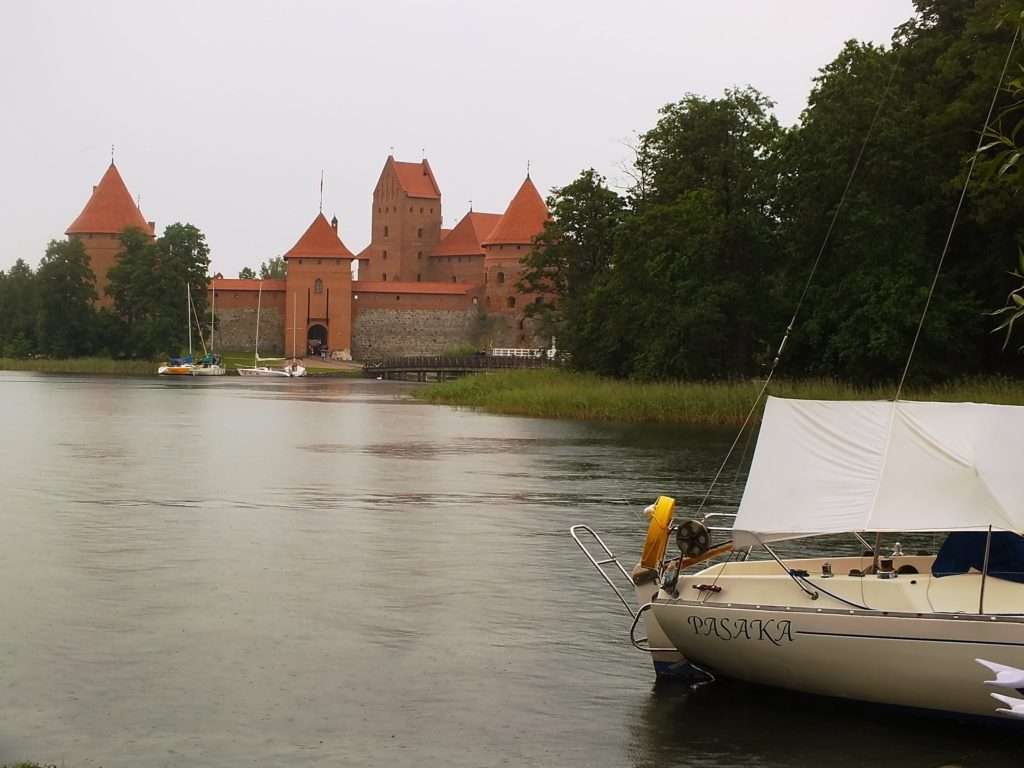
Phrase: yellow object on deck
(657, 532)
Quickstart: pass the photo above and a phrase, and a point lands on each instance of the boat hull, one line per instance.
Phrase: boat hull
(209, 370)
(909, 660)
(175, 370)
(263, 372)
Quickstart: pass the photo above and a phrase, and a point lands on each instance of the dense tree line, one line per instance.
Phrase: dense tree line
(53, 312)
(695, 270)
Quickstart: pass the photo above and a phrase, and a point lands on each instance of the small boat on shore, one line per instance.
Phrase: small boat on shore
(181, 366)
(256, 369)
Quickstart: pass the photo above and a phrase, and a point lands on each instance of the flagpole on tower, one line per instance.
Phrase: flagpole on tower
(321, 190)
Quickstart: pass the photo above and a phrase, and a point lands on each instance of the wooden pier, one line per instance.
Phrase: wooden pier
(441, 368)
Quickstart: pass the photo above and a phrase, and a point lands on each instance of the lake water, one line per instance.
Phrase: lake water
(322, 572)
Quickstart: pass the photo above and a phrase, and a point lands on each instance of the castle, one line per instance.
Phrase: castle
(418, 288)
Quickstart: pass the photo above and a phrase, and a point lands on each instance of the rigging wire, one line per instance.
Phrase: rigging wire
(809, 281)
(956, 213)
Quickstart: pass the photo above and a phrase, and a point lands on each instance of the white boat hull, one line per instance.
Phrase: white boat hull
(909, 660)
(209, 370)
(264, 372)
(175, 370)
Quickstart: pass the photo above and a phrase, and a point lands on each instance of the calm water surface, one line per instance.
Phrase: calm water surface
(225, 572)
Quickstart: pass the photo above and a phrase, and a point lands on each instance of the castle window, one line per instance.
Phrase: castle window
(518, 247)
(355, 297)
(476, 301)
(455, 279)
(318, 286)
(398, 298)
(419, 254)
(418, 277)
(501, 278)
(539, 300)
(419, 232)
(384, 277)
(410, 209)
(421, 210)
(318, 261)
(385, 230)
(385, 255)
(511, 302)
(521, 324)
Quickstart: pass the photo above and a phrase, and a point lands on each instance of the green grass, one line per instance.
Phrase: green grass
(97, 365)
(564, 395)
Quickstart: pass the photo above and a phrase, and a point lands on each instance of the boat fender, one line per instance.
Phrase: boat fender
(658, 532)
(707, 588)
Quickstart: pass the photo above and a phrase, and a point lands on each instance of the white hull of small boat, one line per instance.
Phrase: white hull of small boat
(264, 372)
(918, 648)
(295, 371)
(209, 370)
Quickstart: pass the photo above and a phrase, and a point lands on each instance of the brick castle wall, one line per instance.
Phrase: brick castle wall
(378, 333)
(236, 330)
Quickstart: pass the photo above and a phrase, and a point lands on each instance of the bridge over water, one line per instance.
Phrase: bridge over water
(439, 368)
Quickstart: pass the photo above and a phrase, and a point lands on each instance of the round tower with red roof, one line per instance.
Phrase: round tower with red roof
(510, 241)
(109, 212)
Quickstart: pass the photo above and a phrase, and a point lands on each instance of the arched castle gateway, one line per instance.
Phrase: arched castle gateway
(421, 289)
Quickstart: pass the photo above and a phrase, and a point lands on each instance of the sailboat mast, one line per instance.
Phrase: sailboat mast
(295, 322)
(188, 313)
(259, 304)
(213, 315)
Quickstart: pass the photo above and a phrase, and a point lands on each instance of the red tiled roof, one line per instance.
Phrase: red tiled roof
(416, 179)
(401, 287)
(445, 233)
(110, 209)
(232, 284)
(523, 219)
(320, 240)
(469, 234)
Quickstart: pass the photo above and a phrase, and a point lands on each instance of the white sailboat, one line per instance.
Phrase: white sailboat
(257, 369)
(211, 363)
(903, 629)
(295, 368)
(182, 366)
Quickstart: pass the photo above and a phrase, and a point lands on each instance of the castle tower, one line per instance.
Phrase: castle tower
(318, 302)
(406, 223)
(108, 213)
(504, 249)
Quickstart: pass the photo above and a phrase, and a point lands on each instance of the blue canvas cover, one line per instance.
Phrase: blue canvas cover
(964, 550)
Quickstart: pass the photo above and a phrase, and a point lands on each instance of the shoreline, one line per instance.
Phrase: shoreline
(104, 366)
(555, 394)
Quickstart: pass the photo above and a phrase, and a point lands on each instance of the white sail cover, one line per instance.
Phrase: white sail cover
(832, 467)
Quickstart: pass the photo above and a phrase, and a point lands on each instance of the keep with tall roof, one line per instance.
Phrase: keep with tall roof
(416, 179)
(523, 220)
(110, 209)
(320, 240)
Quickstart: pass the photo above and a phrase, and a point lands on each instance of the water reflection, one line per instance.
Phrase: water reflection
(322, 572)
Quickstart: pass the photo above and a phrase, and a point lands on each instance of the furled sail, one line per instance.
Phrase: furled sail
(832, 467)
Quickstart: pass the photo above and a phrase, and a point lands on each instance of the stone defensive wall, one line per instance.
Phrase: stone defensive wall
(236, 330)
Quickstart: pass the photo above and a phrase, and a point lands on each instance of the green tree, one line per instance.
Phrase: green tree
(687, 291)
(247, 273)
(18, 310)
(149, 287)
(274, 269)
(67, 293)
(573, 253)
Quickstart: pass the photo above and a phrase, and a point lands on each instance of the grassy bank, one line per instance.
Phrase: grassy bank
(563, 395)
(97, 365)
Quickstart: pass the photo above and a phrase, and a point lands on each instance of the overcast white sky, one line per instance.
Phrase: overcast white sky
(224, 113)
